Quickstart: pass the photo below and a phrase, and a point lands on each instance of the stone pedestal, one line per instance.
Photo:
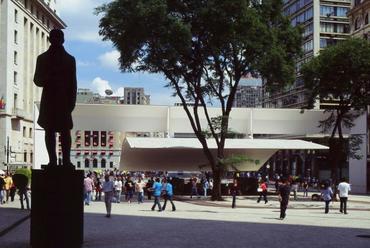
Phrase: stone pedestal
(57, 208)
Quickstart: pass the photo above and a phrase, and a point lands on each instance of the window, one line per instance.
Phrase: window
(30, 132)
(87, 163)
(15, 36)
(95, 163)
(78, 164)
(308, 46)
(15, 77)
(31, 157)
(103, 138)
(24, 131)
(87, 138)
(357, 23)
(366, 21)
(26, 4)
(103, 163)
(95, 138)
(25, 156)
(15, 100)
(16, 16)
(15, 57)
(111, 164)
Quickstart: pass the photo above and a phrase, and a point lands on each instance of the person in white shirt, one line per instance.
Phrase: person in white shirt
(118, 189)
(108, 189)
(343, 189)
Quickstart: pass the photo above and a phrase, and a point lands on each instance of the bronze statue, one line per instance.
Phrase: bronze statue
(56, 73)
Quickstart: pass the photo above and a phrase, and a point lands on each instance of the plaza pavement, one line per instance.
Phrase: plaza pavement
(201, 223)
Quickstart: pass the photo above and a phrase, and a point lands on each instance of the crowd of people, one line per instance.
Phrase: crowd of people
(117, 186)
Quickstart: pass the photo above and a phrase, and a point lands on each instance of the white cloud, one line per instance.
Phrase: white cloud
(110, 60)
(100, 85)
(82, 63)
(82, 23)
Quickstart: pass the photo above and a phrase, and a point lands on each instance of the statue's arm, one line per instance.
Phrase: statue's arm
(39, 77)
(74, 85)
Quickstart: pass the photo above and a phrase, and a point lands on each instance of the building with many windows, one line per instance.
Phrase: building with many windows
(248, 96)
(136, 96)
(24, 32)
(324, 23)
(360, 27)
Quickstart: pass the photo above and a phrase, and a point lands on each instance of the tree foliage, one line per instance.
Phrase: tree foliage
(341, 73)
(203, 48)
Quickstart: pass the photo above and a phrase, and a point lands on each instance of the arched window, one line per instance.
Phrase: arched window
(95, 163)
(357, 23)
(103, 162)
(87, 163)
(366, 19)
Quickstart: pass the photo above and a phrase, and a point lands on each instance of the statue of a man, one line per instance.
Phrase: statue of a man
(56, 73)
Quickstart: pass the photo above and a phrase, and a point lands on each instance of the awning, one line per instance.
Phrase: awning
(167, 154)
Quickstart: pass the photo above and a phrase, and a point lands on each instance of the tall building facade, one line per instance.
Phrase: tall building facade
(24, 32)
(324, 23)
(248, 96)
(360, 28)
(136, 96)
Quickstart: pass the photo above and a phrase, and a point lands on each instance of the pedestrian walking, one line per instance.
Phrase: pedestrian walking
(194, 189)
(234, 188)
(118, 189)
(284, 193)
(169, 196)
(2, 185)
(129, 185)
(8, 184)
(139, 188)
(327, 196)
(294, 188)
(21, 182)
(108, 189)
(305, 189)
(88, 187)
(343, 189)
(149, 185)
(205, 187)
(262, 190)
(157, 188)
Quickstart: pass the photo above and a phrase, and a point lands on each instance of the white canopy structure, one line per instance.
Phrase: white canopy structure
(187, 153)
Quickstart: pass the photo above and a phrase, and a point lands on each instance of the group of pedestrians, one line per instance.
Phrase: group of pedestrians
(9, 184)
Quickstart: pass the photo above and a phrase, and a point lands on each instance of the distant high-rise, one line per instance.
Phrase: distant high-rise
(324, 23)
(248, 96)
(136, 96)
(24, 32)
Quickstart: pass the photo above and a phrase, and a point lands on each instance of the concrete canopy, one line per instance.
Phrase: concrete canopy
(186, 154)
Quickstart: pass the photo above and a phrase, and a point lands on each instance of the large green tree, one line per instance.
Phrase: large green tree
(203, 48)
(340, 74)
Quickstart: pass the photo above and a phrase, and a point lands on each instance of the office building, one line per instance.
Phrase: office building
(324, 22)
(136, 96)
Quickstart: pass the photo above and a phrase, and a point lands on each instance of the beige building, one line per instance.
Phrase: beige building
(24, 31)
(360, 19)
(136, 96)
(324, 22)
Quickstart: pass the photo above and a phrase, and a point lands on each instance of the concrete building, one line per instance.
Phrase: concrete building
(24, 31)
(136, 96)
(248, 96)
(360, 27)
(171, 122)
(324, 22)
(89, 97)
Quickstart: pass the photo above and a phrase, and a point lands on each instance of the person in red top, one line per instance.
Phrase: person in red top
(262, 190)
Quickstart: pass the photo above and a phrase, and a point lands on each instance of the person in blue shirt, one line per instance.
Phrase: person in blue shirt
(157, 188)
(168, 196)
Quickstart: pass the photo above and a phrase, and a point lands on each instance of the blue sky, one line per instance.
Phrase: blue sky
(97, 65)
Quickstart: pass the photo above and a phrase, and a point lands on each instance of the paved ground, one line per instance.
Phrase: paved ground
(200, 223)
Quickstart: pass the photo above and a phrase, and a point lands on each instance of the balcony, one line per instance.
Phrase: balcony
(18, 113)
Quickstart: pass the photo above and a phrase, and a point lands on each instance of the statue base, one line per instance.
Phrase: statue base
(57, 207)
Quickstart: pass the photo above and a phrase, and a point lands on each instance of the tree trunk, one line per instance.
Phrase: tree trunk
(216, 192)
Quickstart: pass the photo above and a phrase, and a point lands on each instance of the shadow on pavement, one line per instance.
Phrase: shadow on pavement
(152, 232)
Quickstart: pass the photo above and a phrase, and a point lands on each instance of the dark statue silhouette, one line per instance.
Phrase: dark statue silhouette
(56, 73)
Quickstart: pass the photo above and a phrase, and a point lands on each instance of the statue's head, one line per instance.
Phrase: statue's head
(56, 37)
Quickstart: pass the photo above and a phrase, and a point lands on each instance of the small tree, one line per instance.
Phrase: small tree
(341, 73)
(203, 48)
